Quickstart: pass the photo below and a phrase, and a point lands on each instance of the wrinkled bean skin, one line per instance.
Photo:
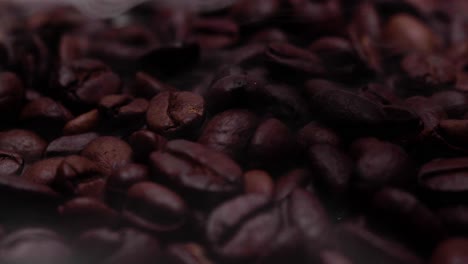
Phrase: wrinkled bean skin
(175, 113)
(230, 132)
(109, 153)
(189, 166)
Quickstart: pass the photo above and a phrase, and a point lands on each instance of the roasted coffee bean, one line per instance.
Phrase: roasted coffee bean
(12, 94)
(84, 123)
(84, 82)
(230, 132)
(405, 33)
(450, 251)
(305, 212)
(380, 163)
(427, 74)
(215, 33)
(155, 208)
(187, 253)
(175, 113)
(363, 246)
(197, 168)
(121, 246)
(231, 226)
(43, 171)
(342, 108)
(11, 163)
(24, 142)
(143, 142)
(444, 179)
(45, 116)
(295, 59)
(122, 110)
(271, 145)
(331, 167)
(257, 181)
(108, 153)
(83, 213)
(34, 245)
(230, 91)
(69, 145)
(77, 175)
(290, 181)
(121, 180)
(314, 133)
(406, 215)
(251, 12)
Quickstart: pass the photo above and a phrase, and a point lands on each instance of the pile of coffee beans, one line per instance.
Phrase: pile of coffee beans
(270, 132)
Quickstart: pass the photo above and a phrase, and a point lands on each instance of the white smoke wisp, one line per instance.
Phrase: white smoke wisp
(112, 8)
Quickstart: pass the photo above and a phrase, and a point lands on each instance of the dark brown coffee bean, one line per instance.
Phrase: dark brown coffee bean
(121, 180)
(215, 33)
(295, 59)
(79, 176)
(342, 108)
(363, 246)
(453, 102)
(155, 208)
(108, 153)
(11, 163)
(269, 35)
(453, 132)
(260, 182)
(271, 145)
(250, 12)
(83, 213)
(118, 247)
(187, 253)
(143, 142)
(12, 94)
(332, 168)
(314, 133)
(45, 116)
(32, 245)
(84, 123)
(195, 167)
(405, 214)
(333, 257)
(230, 132)
(306, 213)
(445, 179)
(85, 82)
(230, 90)
(290, 181)
(230, 227)
(69, 145)
(450, 251)
(317, 17)
(43, 171)
(24, 142)
(175, 113)
(123, 110)
(429, 113)
(427, 74)
(380, 163)
(405, 33)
